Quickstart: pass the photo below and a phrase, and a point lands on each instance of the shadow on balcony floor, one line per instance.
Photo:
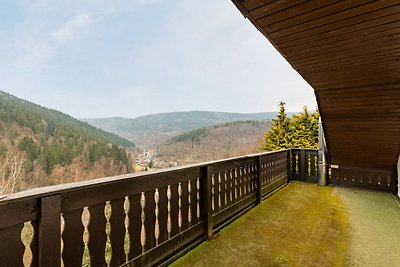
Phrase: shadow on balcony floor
(307, 225)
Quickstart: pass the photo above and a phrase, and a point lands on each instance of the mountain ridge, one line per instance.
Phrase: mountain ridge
(150, 130)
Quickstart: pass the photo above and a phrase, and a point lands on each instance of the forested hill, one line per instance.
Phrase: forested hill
(41, 119)
(150, 130)
(214, 142)
(53, 147)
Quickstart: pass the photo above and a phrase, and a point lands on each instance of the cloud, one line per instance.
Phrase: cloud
(33, 56)
(72, 28)
(175, 62)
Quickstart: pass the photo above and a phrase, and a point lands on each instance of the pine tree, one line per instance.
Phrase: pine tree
(299, 132)
(278, 137)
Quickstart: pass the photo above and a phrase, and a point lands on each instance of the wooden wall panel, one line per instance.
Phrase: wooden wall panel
(349, 52)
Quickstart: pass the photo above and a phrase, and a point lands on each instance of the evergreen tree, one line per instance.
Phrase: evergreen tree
(278, 137)
(305, 129)
(299, 132)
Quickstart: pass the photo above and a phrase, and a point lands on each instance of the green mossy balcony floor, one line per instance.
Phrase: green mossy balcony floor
(307, 225)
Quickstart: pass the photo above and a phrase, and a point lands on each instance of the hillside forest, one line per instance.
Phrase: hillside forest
(214, 142)
(41, 147)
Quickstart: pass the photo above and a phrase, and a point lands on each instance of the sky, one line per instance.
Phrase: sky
(127, 58)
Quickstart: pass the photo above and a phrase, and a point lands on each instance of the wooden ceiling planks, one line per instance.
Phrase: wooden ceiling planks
(349, 52)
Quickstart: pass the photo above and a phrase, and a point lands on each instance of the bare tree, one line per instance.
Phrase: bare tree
(11, 170)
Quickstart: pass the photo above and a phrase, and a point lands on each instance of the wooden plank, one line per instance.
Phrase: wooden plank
(154, 179)
(354, 78)
(272, 186)
(346, 72)
(252, 4)
(259, 183)
(375, 31)
(356, 24)
(374, 45)
(35, 244)
(185, 206)
(231, 188)
(314, 165)
(50, 231)
(72, 237)
(78, 198)
(362, 110)
(206, 200)
(310, 13)
(299, 12)
(18, 212)
(302, 165)
(364, 54)
(156, 256)
(163, 215)
(233, 164)
(345, 45)
(356, 81)
(362, 159)
(366, 136)
(366, 153)
(97, 235)
(215, 192)
(11, 247)
(387, 70)
(385, 154)
(237, 207)
(361, 99)
(338, 33)
(174, 210)
(135, 225)
(361, 185)
(361, 127)
(221, 178)
(117, 235)
(372, 10)
(274, 7)
(149, 220)
(289, 166)
(335, 64)
(370, 90)
(361, 103)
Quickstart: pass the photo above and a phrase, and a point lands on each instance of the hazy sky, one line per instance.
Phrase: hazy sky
(103, 58)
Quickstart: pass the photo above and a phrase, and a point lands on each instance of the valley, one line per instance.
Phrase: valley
(41, 147)
(151, 130)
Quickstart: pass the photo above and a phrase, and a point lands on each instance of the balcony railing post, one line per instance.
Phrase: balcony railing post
(259, 185)
(207, 200)
(322, 179)
(50, 231)
(303, 165)
(289, 165)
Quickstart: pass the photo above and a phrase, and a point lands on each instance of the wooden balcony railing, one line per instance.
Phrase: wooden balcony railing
(140, 219)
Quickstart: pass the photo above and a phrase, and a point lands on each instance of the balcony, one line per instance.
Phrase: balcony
(152, 218)
(308, 225)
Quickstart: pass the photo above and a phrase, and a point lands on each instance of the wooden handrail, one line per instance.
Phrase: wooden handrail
(169, 211)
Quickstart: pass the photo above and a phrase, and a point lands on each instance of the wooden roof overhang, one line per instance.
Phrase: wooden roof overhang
(349, 52)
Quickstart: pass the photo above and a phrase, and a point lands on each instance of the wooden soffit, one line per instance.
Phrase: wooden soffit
(349, 52)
